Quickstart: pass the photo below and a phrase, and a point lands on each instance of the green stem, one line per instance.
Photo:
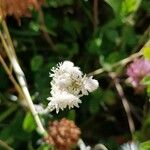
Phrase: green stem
(4, 25)
(9, 48)
(11, 77)
(8, 112)
(5, 146)
(122, 62)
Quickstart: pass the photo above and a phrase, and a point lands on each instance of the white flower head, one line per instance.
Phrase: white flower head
(68, 85)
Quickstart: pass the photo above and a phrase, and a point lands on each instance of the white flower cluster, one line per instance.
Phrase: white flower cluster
(68, 85)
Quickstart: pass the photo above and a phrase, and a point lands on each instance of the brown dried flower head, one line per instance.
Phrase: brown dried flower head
(18, 8)
(63, 134)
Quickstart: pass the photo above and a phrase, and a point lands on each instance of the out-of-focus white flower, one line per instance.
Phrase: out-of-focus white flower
(99, 147)
(82, 145)
(68, 85)
(39, 108)
(130, 146)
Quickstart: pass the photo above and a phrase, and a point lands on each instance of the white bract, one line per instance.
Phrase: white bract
(68, 85)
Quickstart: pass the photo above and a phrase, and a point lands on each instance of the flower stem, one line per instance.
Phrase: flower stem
(9, 111)
(8, 37)
(124, 102)
(5, 145)
(17, 87)
(9, 48)
(122, 62)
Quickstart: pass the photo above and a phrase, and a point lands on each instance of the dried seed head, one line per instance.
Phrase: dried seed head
(63, 134)
(18, 8)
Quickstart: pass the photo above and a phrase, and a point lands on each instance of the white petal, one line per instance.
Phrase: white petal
(91, 84)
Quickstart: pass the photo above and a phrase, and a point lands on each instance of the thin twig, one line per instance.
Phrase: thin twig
(20, 76)
(142, 39)
(95, 14)
(44, 30)
(135, 113)
(5, 145)
(11, 77)
(8, 112)
(8, 36)
(122, 62)
(124, 102)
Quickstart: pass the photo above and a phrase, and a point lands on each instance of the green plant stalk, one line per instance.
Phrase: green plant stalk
(10, 51)
(5, 145)
(126, 106)
(122, 62)
(8, 37)
(17, 87)
(4, 115)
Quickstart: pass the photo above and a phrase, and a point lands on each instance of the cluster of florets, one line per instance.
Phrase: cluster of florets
(63, 134)
(18, 8)
(137, 71)
(68, 85)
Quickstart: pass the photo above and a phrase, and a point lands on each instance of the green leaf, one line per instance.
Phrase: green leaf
(148, 90)
(71, 115)
(94, 106)
(94, 45)
(46, 147)
(129, 6)
(115, 4)
(146, 127)
(113, 57)
(146, 80)
(50, 21)
(146, 52)
(59, 3)
(36, 62)
(109, 97)
(112, 35)
(145, 146)
(124, 7)
(14, 130)
(105, 65)
(34, 26)
(29, 123)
